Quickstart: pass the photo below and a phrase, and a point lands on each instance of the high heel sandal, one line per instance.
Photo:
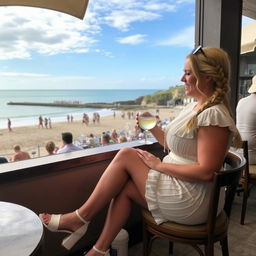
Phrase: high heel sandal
(54, 223)
(70, 240)
(106, 253)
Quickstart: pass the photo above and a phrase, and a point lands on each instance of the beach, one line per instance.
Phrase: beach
(33, 139)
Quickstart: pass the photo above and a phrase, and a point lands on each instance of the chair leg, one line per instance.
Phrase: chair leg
(170, 248)
(209, 249)
(145, 240)
(224, 247)
(244, 204)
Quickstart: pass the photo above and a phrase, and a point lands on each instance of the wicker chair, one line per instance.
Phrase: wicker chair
(216, 227)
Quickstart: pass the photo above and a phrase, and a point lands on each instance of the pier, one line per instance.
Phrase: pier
(116, 105)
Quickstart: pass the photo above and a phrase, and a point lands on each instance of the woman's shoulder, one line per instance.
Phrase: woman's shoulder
(218, 108)
(215, 115)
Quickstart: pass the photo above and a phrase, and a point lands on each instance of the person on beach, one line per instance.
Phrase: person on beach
(67, 144)
(9, 124)
(46, 122)
(85, 119)
(106, 139)
(177, 188)
(19, 155)
(50, 122)
(122, 139)
(97, 117)
(114, 136)
(91, 141)
(40, 119)
(51, 148)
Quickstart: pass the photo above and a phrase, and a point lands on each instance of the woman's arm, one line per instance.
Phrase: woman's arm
(158, 133)
(211, 148)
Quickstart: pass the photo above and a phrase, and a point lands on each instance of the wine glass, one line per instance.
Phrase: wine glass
(147, 123)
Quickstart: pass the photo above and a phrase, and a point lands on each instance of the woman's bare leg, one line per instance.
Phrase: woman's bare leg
(117, 216)
(126, 165)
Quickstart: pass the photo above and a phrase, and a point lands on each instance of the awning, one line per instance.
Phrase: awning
(75, 8)
(248, 38)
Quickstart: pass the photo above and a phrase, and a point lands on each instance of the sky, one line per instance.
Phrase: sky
(120, 44)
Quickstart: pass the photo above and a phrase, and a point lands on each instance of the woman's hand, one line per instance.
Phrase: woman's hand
(149, 159)
(138, 115)
(144, 114)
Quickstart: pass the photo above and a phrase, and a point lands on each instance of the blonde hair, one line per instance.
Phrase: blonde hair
(16, 147)
(50, 146)
(214, 63)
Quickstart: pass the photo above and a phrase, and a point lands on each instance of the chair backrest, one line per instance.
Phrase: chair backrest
(229, 178)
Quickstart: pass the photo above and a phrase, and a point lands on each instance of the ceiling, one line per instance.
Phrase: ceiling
(249, 8)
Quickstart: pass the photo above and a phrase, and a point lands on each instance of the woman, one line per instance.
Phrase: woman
(178, 188)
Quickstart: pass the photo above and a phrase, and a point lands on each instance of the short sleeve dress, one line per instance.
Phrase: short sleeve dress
(172, 199)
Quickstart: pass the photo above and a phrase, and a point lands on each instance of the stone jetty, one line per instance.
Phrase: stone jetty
(75, 105)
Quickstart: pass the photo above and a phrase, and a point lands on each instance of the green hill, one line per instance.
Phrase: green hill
(158, 98)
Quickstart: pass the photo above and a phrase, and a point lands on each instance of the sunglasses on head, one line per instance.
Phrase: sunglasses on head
(198, 49)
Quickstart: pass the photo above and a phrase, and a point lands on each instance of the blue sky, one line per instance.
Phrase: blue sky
(120, 44)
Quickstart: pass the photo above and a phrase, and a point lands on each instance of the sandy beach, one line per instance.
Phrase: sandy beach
(33, 139)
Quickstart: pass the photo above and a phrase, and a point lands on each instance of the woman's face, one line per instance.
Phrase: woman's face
(189, 80)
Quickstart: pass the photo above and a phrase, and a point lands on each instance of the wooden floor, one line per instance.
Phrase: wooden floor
(242, 238)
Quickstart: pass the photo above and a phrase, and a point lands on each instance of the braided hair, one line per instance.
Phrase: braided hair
(214, 63)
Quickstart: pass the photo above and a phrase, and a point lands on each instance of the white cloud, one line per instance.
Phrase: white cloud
(122, 19)
(133, 40)
(26, 30)
(184, 38)
(16, 74)
(121, 14)
(156, 6)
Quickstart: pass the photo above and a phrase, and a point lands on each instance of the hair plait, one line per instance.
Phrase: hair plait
(215, 64)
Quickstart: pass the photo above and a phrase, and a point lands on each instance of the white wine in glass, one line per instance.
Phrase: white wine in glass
(147, 123)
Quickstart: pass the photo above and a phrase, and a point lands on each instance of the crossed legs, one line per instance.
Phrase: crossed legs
(122, 182)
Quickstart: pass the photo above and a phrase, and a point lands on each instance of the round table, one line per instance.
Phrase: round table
(21, 231)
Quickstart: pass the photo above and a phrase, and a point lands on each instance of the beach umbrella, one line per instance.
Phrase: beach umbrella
(75, 8)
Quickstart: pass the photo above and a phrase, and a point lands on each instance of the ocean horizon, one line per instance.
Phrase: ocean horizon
(28, 115)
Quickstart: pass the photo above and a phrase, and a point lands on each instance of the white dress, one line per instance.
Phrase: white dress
(172, 199)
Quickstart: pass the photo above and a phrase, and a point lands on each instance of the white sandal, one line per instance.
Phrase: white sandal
(54, 223)
(69, 241)
(106, 253)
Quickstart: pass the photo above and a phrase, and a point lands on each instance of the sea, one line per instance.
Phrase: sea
(28, 115)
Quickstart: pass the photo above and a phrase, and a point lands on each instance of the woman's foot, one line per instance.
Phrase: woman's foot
(97, 252)
(72, 223)
(69, 221)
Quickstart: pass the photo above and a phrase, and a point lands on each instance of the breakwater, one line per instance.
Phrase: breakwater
(76, 105)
